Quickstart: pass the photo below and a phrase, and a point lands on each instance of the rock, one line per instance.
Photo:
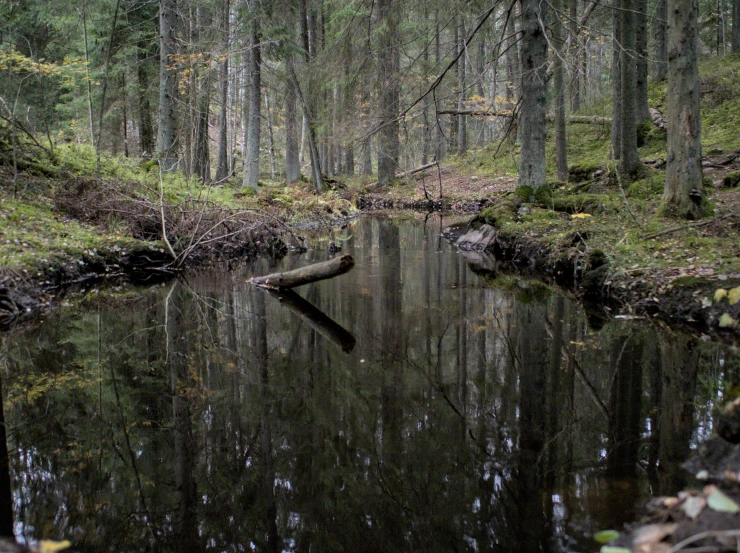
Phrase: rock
(478, 239)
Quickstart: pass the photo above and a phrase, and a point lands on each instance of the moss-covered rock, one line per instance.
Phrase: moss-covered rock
(582, 172)
(731, 180)
(499, 214)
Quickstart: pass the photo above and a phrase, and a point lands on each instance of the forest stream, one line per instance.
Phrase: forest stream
(413, 404)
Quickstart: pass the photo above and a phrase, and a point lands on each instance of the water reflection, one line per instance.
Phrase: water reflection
(468, 414)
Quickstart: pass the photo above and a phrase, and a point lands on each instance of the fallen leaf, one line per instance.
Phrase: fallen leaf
(580, 215)
(726, 321)
(605, 536)
(720, 294)
(693, 506)
(652, 533)
(51, 546)
(720, 502)
(734, 296)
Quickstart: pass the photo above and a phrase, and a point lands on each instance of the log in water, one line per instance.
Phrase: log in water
(306, 275)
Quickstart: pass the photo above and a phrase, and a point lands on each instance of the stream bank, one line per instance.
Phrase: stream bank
(606, 243)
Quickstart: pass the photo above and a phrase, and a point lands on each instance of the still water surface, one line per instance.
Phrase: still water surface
(432, 408)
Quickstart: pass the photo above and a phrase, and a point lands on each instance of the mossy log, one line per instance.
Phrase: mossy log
(306, 275)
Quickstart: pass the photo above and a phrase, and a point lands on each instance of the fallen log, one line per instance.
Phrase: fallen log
(316, 319)
(573, 119)
(406, 173)
(306, 275)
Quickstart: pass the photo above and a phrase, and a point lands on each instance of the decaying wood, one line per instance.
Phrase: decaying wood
(573, 119)
(406, 173)
(657, 118)
(316, 319)
(306, 275)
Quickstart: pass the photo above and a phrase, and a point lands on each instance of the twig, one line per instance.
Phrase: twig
(687, 226)
(161, 210)
(624, 196)
(701, 535)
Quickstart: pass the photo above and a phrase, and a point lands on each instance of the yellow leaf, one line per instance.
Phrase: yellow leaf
(580, 215)
(51, 546)
(734, 296)
(720, 294)
(726, 321)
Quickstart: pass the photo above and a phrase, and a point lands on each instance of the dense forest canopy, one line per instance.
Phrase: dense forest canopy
(219, 89)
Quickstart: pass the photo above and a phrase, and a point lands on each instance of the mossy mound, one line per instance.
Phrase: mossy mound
(583, 172)
(498, 215)
(731, 180)
(648, 187)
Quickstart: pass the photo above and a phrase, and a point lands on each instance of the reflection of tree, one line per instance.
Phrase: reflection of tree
(625, 405)
(679, 357)
(294, 444)
(186, 528)
(532, 352)
(6, 492)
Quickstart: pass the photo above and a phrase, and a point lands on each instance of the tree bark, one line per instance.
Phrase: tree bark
(252, 160)
(306, 275)
(629, 156)
(532, 130)
(616, 138)
(440, 143)
(462, 127)
(388, 91)
(642, 110)
(222, 168)
(735, 37)
(683, 176)
(575, 80)
(166, 145)
(660, 51)
(292, 164)
(561, 143)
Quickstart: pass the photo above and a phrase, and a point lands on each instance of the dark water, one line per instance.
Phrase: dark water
(472, 413)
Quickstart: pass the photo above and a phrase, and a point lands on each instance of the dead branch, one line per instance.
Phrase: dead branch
(405, 173)
(306, 275)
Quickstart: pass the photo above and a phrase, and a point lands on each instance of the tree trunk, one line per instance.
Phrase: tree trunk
(146, 130)
(683, 176)
(270, 135)
(440, 143)
(166, 145)
(575, 53)
(462, 128)
(202, 153)
(629, 157)
(252, 160)
(735, 44)
(532, 129)
(660, 52)
(292, 164)
(561, 143)
(222, 169)
(388, 91)
(642, 110)
(367, 159)
(616, 146)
